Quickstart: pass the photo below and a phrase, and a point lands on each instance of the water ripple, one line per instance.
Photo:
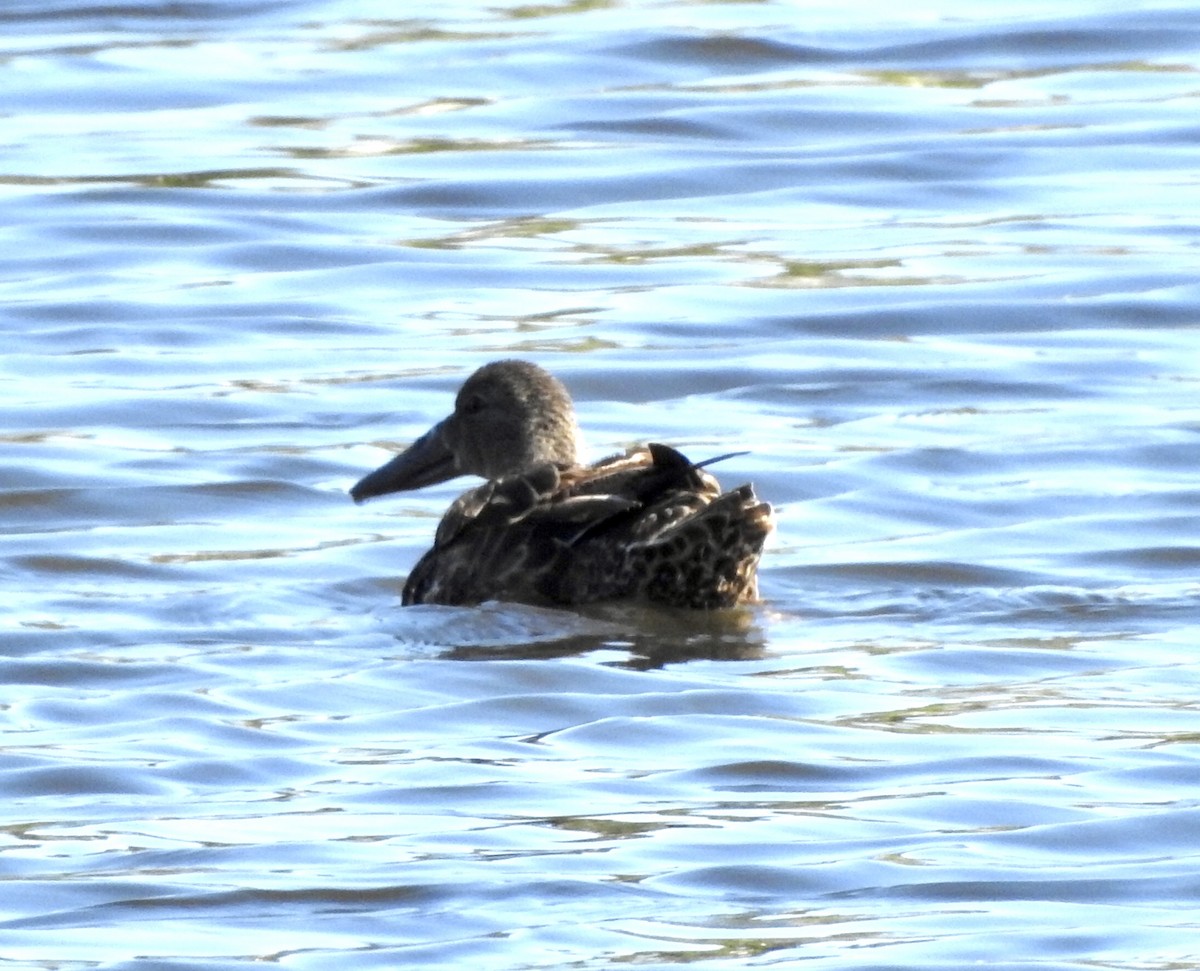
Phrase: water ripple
(937, 276)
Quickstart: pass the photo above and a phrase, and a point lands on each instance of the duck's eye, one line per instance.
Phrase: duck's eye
(472, 405)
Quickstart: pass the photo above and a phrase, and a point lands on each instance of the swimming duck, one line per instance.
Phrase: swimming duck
(647, 524)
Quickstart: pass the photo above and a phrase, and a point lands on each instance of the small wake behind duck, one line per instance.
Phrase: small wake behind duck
(647, 524)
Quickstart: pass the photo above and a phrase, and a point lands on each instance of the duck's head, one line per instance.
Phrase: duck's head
(509, 417)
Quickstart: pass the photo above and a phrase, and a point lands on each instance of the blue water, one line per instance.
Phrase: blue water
(934, 268)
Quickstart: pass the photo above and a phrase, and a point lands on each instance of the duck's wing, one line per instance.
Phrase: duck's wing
(645, 523)
(549, 494)
(682, 543)
(498, 541)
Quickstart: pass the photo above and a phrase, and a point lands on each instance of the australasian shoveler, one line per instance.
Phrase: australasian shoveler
(647, 524)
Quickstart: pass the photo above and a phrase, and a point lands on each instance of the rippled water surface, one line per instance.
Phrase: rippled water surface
(935, 268)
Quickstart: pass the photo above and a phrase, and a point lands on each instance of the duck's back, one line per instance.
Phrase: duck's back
(646, 525)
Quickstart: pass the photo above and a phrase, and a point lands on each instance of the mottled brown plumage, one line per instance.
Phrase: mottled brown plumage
(647, 524)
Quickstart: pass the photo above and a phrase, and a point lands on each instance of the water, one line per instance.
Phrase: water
(934, 268)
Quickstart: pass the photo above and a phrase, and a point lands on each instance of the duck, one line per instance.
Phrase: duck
(646, 525)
